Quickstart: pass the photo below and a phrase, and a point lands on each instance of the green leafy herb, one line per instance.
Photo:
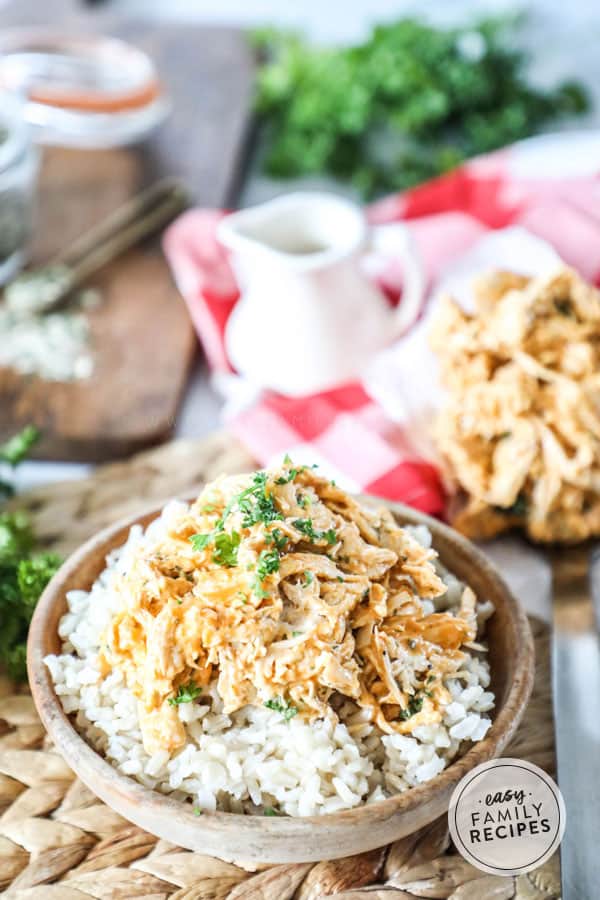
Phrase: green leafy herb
(199, 542)
(16, 539)
(268, 562)
(308, 578)
(282, 706)
(277, 538)
(186, 693)
(296, 633)
(17, 447)
(305, 526)
(415, 705)
(226, 548)
(269, 811)
(289, 476)
(256, 503)
(410, 102)
(197, 811)
(23, 573)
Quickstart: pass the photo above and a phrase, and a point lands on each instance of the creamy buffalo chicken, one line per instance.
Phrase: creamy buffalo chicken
(520, 426)
(284, 591)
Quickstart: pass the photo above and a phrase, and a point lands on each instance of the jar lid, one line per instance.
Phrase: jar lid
(83, 91)
(15, 135)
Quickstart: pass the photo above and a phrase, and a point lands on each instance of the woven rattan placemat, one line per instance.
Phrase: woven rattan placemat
(59, 842)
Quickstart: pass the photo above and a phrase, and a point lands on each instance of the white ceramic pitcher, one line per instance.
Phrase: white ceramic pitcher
(309, 317)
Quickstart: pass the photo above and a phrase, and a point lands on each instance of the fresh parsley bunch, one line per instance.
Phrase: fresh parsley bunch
(410, 103)
(23, 573)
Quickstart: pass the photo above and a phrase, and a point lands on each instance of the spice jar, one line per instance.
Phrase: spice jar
(19, 162)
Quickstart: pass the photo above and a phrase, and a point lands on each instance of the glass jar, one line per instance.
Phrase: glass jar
(19, 163)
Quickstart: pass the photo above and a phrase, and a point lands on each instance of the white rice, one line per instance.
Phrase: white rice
(254, 759)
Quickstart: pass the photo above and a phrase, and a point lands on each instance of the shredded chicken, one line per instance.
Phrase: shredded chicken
(283, 590)
(520, 431)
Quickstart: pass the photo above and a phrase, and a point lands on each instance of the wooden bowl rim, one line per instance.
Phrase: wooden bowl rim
(69, 742)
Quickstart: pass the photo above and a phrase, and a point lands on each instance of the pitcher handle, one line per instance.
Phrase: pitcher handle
(395, 240)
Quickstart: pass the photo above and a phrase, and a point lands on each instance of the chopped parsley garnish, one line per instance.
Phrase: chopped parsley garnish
(415, 705)
(226, 548)
(305, 526)
(289, 476)
(277, 538)
(308, 578)
(291, 472)
(200, 541)
(242, 596)
(186, 693)
(296, 633)
(269, 811)
(267, 563)
(197, 811)
(303, 500)
(282, 706)
(256, 504)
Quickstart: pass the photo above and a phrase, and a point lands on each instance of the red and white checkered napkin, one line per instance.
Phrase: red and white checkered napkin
(369, 435)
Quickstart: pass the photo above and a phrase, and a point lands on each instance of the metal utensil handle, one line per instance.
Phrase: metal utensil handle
(134, 210)
(576, 698)
(127, 237)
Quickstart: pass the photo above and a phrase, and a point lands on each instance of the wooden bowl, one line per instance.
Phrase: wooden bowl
(259, 839)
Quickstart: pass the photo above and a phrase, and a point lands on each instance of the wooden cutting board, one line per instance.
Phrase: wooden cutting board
(142, 338)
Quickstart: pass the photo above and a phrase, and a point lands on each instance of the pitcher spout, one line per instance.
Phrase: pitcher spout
(303, 229)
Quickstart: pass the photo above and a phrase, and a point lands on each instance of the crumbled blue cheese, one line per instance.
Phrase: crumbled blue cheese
(55, 347)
